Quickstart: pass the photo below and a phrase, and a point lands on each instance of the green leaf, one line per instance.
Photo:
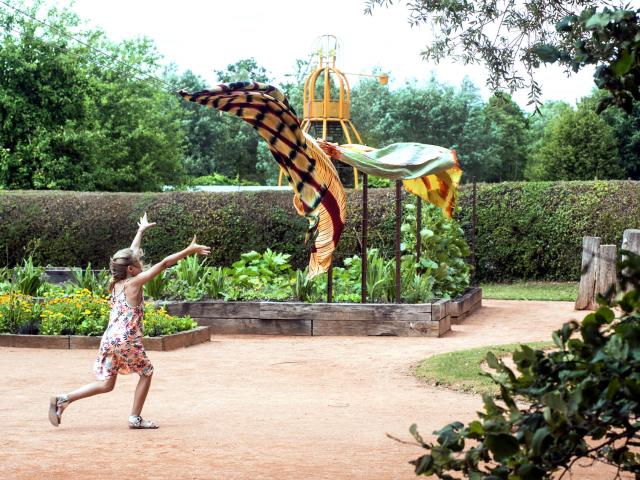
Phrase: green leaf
(554, 401)
(623, 65)
(492, 361)
(606, 314)
(501, 445)
(423, 465)
(566, 23)
(547, 53)
(598, 20)
(529, 471)
(538, 440)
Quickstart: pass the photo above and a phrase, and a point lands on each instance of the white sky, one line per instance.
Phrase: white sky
(204, 36)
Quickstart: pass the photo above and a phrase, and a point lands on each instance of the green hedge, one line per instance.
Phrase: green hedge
(528, 230)
(73, 228)
(534, 230)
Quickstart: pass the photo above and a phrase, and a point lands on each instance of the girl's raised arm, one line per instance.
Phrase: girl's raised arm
(145, 276)
(143, 224)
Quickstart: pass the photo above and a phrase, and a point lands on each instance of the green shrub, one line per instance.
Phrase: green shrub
(27, 277)
(524, 231)
(218, 179)
(534, 230)
(97, 283)
(579, 401)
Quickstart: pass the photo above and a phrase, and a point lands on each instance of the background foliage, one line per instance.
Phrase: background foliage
(578, 401)
(526, 230)
(71, 119)
(101, 115)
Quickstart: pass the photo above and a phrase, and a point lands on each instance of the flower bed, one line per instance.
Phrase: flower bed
(78, 320)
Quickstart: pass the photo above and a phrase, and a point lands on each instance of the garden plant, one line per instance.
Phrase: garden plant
(577, 401)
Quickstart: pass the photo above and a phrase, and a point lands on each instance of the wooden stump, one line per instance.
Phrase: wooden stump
(586, 292)
(631, 241)
(606, 268)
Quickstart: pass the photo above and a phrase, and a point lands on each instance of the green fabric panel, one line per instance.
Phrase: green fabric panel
(400, 160)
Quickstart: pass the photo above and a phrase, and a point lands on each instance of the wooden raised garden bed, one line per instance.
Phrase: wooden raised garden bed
(465, 305)
(356, 319)
(162, 343)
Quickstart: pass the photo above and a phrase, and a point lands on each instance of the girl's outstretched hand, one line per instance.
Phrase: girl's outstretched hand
(143, 224)
(199, 249)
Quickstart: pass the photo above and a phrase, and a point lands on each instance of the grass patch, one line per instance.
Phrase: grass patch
(461, 370)
(567, 291)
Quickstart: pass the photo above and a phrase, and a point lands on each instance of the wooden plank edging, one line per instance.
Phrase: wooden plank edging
(164, 343)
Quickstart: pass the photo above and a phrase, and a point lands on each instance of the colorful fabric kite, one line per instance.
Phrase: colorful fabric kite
(318, 193)
(429, 171)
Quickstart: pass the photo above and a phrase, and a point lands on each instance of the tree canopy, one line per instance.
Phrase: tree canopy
(513, 39)
(71, 119)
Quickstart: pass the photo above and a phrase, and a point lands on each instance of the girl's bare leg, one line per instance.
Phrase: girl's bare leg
(89, 390)
(141, 394)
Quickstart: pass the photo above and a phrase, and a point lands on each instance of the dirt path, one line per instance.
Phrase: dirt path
(252, 407)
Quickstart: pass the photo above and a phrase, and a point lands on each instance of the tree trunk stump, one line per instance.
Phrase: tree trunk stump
(586, 292)
(606, 269)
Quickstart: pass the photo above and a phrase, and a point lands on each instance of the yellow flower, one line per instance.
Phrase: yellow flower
(87, 312)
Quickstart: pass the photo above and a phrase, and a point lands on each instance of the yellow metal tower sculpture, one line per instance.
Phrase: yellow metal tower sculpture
(327, 100)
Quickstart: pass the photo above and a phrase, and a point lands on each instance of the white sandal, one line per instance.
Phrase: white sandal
(137, 422)
(57, 405)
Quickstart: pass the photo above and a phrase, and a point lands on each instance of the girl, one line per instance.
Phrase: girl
(121, 349)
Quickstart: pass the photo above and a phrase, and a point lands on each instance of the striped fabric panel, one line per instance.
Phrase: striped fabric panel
(439, 189)
(318, 193)
(438, 186)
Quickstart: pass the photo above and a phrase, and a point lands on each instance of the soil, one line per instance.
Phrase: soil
(254, 407)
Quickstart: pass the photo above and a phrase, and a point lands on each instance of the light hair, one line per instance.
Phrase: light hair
(119, 263)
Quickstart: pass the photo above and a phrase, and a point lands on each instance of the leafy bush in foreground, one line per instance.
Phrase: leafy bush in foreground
(580, 401)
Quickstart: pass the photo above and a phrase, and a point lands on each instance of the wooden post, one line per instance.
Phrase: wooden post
(606, 270)
(631, 240)
(586, 292)
(365, 223)
(398, 221)
(418, 228)
(474, 224)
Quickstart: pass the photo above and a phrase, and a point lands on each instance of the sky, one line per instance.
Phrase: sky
(204, 36)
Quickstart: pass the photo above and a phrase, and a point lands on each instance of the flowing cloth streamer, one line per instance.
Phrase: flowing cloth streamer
(318, 193)
(429, 171)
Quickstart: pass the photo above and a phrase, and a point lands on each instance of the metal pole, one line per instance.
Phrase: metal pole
(418, 228)
(473, 234)
(398, 220)
(330, 283)
(365, 222)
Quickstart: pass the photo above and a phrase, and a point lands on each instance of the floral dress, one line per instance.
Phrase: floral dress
(121, 349)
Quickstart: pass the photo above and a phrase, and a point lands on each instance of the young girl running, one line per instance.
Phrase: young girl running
(121, 349)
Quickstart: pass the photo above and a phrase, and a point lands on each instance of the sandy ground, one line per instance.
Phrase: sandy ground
(253, 407)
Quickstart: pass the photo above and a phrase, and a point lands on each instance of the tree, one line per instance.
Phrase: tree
(244, 70)
(513, 39)
(578, 401)
(217, 143)
(626, 128)
(73, 115)
(510, 141)
(477, 146)
(576, 145)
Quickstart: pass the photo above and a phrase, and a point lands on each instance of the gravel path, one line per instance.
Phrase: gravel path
(253, 407)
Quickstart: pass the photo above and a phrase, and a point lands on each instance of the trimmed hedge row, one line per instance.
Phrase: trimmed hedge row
(534, 230)
(527, 230)
(73, 228)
